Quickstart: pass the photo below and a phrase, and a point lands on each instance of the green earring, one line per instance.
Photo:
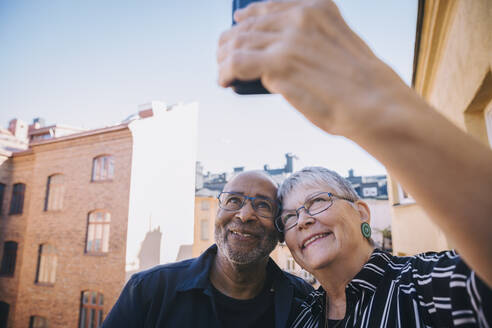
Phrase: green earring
(366, 229)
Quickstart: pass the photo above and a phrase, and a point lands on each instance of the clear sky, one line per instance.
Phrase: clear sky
(91, 63)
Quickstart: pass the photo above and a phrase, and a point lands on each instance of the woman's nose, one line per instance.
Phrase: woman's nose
(304, 219)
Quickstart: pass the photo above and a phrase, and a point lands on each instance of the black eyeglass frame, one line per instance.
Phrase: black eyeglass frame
(251, 200)
(280, 225)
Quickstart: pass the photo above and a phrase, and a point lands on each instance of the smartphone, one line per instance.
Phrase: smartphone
(246, 87)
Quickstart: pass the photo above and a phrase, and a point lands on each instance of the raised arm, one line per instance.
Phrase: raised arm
(305, 51)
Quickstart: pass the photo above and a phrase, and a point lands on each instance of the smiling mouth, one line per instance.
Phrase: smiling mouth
(314, 238)
(242, 234)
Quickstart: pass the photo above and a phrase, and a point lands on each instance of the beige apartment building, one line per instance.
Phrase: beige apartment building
(206, 205)
(453, 72)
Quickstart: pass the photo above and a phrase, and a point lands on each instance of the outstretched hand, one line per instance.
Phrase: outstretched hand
(306, 52)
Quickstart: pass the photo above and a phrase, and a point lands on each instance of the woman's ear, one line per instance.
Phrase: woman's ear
(364, 211)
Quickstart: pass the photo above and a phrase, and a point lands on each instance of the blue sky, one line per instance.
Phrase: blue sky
(91, 63)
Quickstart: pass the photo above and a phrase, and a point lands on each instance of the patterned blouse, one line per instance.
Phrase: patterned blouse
(425, 290)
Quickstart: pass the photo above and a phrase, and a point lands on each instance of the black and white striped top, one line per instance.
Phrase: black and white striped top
(425, 290)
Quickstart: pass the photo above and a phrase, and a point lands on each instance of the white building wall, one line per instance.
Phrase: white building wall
(380, 217)
(162, 189)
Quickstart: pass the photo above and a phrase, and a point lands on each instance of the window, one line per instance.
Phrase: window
(46, 264)
(54, 193)
(91, 309)
(204, 231)
(370, 192)
(38, 322)
(488, 122)
(2, 192)
(404, 196)
(205, 205)
(102, 168)
(4, 314)
(8, 259)
(291, 264)
(98, 232)
(17, 202)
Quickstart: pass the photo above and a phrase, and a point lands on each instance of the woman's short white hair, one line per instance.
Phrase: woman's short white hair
(314, 176)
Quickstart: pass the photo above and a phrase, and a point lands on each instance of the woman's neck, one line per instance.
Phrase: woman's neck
(335, 277)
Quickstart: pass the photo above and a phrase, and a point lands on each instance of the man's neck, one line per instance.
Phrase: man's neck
(244, 281)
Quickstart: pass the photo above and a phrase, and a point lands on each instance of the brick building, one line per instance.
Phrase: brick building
(72, 211)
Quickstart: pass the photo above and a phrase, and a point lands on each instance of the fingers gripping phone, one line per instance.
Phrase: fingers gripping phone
(246, 87)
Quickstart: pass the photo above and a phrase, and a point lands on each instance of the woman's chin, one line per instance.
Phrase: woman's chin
(316, 263)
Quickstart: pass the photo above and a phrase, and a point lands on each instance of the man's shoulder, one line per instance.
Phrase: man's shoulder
(301, 286)
(163, 271)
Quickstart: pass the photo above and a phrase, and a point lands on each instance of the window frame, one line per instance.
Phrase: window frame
(205, 205)
(487, 115)
(55, 192)
(7, 266)
(205, 233)
(2, 196)
(18, 198)
(5, 307)
(102, 171)
(47, 264)
(86, 307)
(91, 240)
(404, 197)
(43, 324)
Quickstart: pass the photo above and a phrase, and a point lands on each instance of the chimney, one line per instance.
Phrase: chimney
(351, 173)
(150, 109)
(18, 128)
(289, 163)
(37, 123)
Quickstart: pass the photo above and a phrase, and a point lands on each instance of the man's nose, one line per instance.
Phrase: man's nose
(304, 219)
(247, 212)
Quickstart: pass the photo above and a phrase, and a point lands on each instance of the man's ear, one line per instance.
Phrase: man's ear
(364, 211)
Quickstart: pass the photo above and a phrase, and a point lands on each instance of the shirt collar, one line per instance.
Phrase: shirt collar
(368, 278)
(371, 273)
(197, 274)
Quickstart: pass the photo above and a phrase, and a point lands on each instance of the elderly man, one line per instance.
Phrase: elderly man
(233, 284)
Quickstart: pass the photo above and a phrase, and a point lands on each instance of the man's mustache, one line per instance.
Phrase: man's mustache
(245, 228)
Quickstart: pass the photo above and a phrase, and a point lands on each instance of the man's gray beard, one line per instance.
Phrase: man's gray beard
(241, 258)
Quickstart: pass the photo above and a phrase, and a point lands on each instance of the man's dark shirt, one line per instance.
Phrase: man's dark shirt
(181, 295)
(256, 312)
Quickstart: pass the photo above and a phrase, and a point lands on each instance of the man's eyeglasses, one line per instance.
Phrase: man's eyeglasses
(263, 206)
(314, 205)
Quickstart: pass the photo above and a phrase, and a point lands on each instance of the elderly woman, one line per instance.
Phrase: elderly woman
(326, 227)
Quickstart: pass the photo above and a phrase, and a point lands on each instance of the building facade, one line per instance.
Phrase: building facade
(69, 205)
(452, 71)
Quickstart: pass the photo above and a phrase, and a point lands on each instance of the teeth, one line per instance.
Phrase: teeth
(241, 234)
(310, 240)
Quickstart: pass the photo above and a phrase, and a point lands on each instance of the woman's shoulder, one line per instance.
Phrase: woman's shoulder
(424, 262)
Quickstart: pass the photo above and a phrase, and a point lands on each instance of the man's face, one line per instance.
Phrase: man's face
(242, 236)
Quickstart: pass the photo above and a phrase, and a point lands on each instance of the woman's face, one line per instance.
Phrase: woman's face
(328, 237)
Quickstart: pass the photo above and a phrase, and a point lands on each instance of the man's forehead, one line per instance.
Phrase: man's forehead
(252, 182)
